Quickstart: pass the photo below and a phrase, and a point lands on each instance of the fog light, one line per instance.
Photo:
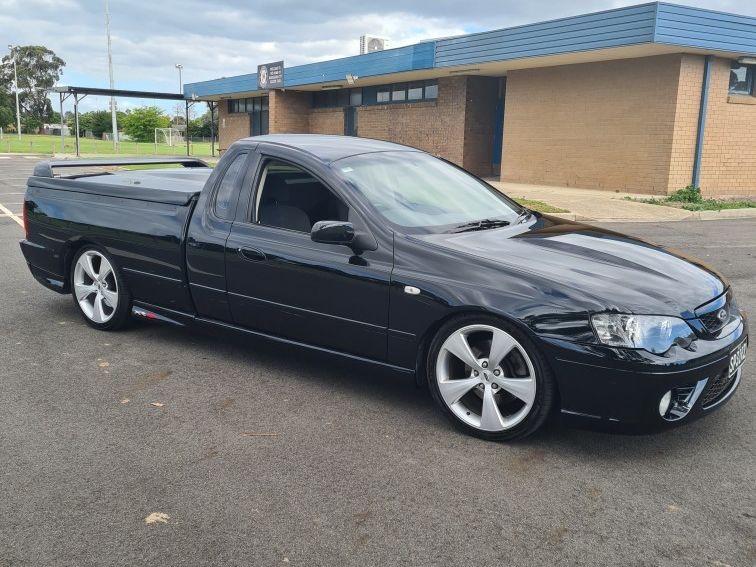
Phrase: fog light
(664, 403)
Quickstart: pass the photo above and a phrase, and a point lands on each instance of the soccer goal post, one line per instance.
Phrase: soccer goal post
(170, 136)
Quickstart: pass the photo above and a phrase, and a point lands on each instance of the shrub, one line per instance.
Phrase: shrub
(691, 194)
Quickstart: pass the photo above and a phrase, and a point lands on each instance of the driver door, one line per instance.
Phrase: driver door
(282, 283)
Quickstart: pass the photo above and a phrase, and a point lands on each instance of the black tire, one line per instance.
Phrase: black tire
(120, 316)
(545, 394)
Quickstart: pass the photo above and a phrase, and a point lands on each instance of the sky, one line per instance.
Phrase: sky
(222, 38)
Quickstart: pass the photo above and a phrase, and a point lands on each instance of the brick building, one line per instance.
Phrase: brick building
(646, 98)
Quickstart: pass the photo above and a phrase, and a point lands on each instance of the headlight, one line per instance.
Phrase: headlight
(651, 332)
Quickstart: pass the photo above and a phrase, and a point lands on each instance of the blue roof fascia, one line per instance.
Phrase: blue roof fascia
(705, 29)
(610, 28)
(401, 59)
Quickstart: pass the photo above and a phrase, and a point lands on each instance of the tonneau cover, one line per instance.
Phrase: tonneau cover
(172, 186)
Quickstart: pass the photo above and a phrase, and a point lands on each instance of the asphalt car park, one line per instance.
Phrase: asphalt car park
(172, 446)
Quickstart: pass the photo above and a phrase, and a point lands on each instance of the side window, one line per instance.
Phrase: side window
(227, 193)
(289, 197)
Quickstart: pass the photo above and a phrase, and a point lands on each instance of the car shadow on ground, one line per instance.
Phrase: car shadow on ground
(382, 386)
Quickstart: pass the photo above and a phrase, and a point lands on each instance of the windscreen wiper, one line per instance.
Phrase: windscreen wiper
(483, 224)
(524, 215)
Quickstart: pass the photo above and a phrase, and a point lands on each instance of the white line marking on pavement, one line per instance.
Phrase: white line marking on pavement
(9, 213)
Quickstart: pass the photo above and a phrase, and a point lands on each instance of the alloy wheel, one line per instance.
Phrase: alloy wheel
(486, 377)
(95, 287)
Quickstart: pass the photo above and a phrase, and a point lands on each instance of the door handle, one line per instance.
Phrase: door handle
(251, 254)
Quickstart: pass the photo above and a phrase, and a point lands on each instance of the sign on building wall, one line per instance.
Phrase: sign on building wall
(270, 75)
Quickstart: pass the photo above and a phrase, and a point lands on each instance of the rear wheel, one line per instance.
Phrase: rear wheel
(489, 378)
(98, 290)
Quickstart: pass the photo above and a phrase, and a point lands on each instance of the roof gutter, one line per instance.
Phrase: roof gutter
(701, 121)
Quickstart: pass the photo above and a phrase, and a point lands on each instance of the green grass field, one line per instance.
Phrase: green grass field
(48, 145)
(539, 206)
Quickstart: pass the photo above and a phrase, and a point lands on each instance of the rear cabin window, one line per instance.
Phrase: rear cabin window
(228, 194)
(289, 197)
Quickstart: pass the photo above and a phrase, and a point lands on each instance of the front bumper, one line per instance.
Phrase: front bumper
(620, 389)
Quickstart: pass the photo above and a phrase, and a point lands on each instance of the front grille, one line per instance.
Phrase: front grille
(716, 314)
(713, 322)
(717, 388)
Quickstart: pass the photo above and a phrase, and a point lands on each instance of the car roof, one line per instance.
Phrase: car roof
(329, 148)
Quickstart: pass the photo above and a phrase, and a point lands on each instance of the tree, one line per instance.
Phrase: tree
(200, 127)
(30, 124)
(140, 124)
(38, 70)
(96, 121)
(7, 110)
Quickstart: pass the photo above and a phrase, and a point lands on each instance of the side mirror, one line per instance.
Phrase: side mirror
(333, 232)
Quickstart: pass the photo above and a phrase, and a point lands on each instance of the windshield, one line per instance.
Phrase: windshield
(421, 193)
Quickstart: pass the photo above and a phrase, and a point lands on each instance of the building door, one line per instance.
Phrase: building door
(350, 121)
(258, 116)
(498, 140)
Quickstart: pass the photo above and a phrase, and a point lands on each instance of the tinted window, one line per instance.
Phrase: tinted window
(416, 191)
(227, 194)
(289, 197)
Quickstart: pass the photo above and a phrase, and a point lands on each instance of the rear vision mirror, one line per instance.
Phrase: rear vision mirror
(333, 232)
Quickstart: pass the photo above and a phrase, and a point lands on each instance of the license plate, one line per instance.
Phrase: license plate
(737, 357)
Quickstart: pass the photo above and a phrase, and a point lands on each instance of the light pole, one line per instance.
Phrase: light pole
(15, 88)
(179, 66)
(113, 118)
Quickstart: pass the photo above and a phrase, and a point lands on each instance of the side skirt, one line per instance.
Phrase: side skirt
(178, 318)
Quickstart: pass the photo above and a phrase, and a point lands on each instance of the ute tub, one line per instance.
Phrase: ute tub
(138, 217)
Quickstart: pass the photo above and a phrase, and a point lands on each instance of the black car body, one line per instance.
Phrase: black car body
(190, 248)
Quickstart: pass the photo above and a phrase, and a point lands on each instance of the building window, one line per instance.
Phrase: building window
(248, 105)
(337, 98)
(741, 79)
(431, 90)
(415, 91)
(383, 94)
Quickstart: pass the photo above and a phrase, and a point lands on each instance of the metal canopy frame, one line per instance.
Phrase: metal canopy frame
(79, 93)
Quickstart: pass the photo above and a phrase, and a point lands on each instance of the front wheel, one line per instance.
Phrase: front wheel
(98, 290)
(489, 379)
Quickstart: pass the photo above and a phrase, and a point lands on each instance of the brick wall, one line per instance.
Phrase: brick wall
(605, 125)
(457, 126)
(327, 121)
(289, 112)
(688, 102)
(232, 126)
(438, 127)
(728, 162)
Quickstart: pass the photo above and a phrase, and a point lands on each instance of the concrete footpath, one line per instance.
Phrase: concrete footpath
(609, 206)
